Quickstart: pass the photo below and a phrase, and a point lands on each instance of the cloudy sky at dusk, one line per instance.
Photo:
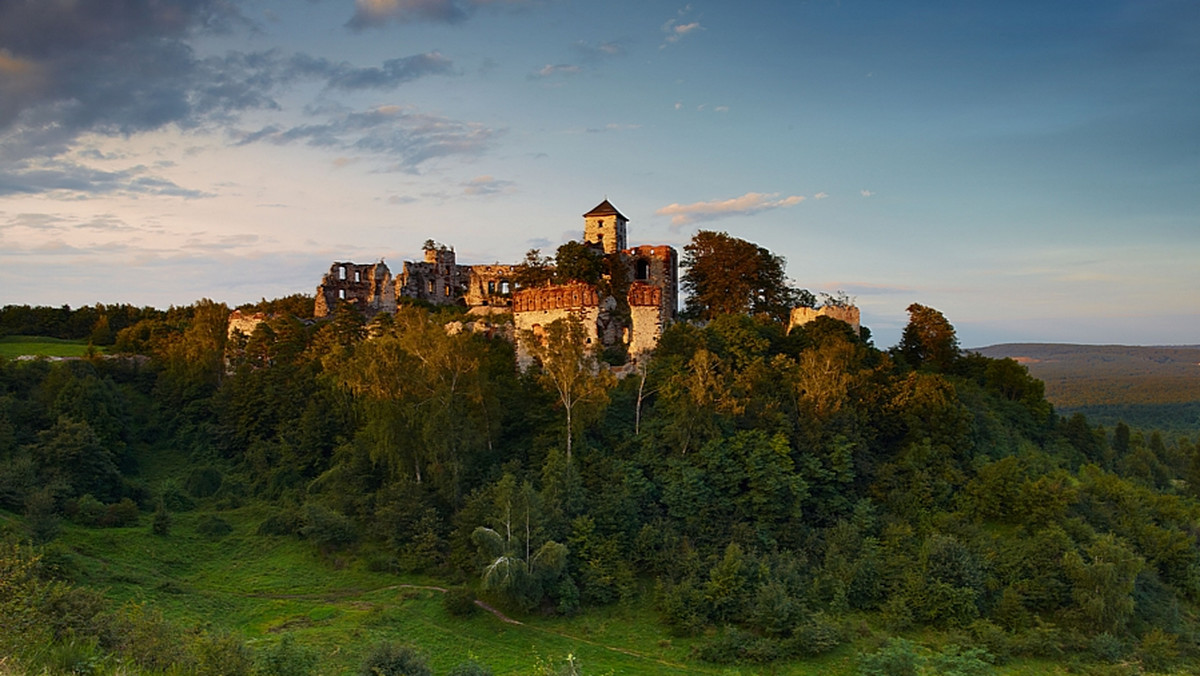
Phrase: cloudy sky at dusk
(1030, 169)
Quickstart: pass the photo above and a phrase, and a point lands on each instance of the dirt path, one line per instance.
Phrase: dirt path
(343, 594)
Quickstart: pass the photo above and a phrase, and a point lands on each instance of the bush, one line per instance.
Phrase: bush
(459, 602)
(394, 659)
(816, 636)
(161, 525)
(171, 495)
(898, 658)
(286, 521)
(286, 658)
(122, 514)
(213, 526)
(327, 529)
(86, 511)
(219, 655)
(469, 668)
(203, 482)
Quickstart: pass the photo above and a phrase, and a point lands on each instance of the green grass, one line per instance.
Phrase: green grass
(266, 586)
(12, 347)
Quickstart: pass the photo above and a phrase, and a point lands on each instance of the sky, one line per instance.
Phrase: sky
(1030, 169)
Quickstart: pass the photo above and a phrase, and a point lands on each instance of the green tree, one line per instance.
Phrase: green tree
(928, 339)
(515, 564)
(535, 270)
(727, 275)
(576, 262)
(570, 370)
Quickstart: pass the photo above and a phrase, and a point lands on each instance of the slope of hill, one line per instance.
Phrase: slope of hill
(1154, 387)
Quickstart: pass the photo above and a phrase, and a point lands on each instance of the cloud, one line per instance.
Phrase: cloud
(599, 51)
(376, 13)
(750, 203)
(866, 193)
(820, 195)
(679, 27)
(486, 185)
(393, 72)
(398, 132)
(28, 177)
(68, 69)
(551, 70)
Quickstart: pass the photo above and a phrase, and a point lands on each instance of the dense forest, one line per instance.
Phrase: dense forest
(775, 492)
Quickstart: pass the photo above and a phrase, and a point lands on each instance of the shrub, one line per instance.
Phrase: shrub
(286, 521)
(394, 659)
(287, 658)
(219, 655)
(816, 636)
(213, 526)
(203, 482)
(327, 529)
(87, 511)
(122, 514)
(469, 668)
(958, 661)
(161, 525)
(171, 495)
(898, 658)
(459, 602)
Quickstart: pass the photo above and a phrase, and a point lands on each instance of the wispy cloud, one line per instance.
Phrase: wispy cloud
(405, 136)
(679, 26)
(375, 13)
(866, 193)
(599, 51)
(820, 195)
(486, 185)
(552, 70)
(750, 203)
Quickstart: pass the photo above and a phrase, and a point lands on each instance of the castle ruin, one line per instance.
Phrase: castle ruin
(630, 313)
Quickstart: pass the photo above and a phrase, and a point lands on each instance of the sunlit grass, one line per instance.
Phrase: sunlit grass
(12, 347)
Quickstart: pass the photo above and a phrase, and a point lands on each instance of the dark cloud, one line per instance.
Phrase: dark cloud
(374, 13)
(121, 67)
(388, 130)
(58, 175)
(391, 74)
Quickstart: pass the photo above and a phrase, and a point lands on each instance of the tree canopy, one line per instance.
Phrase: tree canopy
(727, 275)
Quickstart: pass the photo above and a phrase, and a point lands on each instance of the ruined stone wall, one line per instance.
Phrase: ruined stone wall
(440, 282)
(367, 287)
(245, 322)
(490, 285)
(656, 266)
(648, 317)
(803, 315)
(534, 309)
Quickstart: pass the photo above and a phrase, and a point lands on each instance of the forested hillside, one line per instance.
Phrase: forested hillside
(780, 496)
(1146, 387)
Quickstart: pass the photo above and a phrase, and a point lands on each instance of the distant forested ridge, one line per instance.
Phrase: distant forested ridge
(1150, 387)
(772, 490)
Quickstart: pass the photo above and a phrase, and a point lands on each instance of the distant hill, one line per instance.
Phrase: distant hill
(1150, 387)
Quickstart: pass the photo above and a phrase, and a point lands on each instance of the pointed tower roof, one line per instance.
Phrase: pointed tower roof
(605, 209)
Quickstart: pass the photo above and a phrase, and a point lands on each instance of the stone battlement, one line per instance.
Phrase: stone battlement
(556, 297)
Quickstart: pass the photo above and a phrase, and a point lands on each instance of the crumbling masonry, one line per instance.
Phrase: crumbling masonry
(632, 315)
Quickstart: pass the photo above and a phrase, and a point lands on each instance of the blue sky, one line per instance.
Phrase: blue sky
(1030, 169)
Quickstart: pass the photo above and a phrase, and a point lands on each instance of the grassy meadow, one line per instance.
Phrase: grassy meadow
(12, 347)
(263, 587)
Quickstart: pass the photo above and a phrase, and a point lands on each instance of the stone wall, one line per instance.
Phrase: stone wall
(490, 285)
(245, 322)
(367, 287)
(803, 315)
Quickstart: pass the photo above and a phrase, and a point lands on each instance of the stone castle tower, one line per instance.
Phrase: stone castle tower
(605, 226)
